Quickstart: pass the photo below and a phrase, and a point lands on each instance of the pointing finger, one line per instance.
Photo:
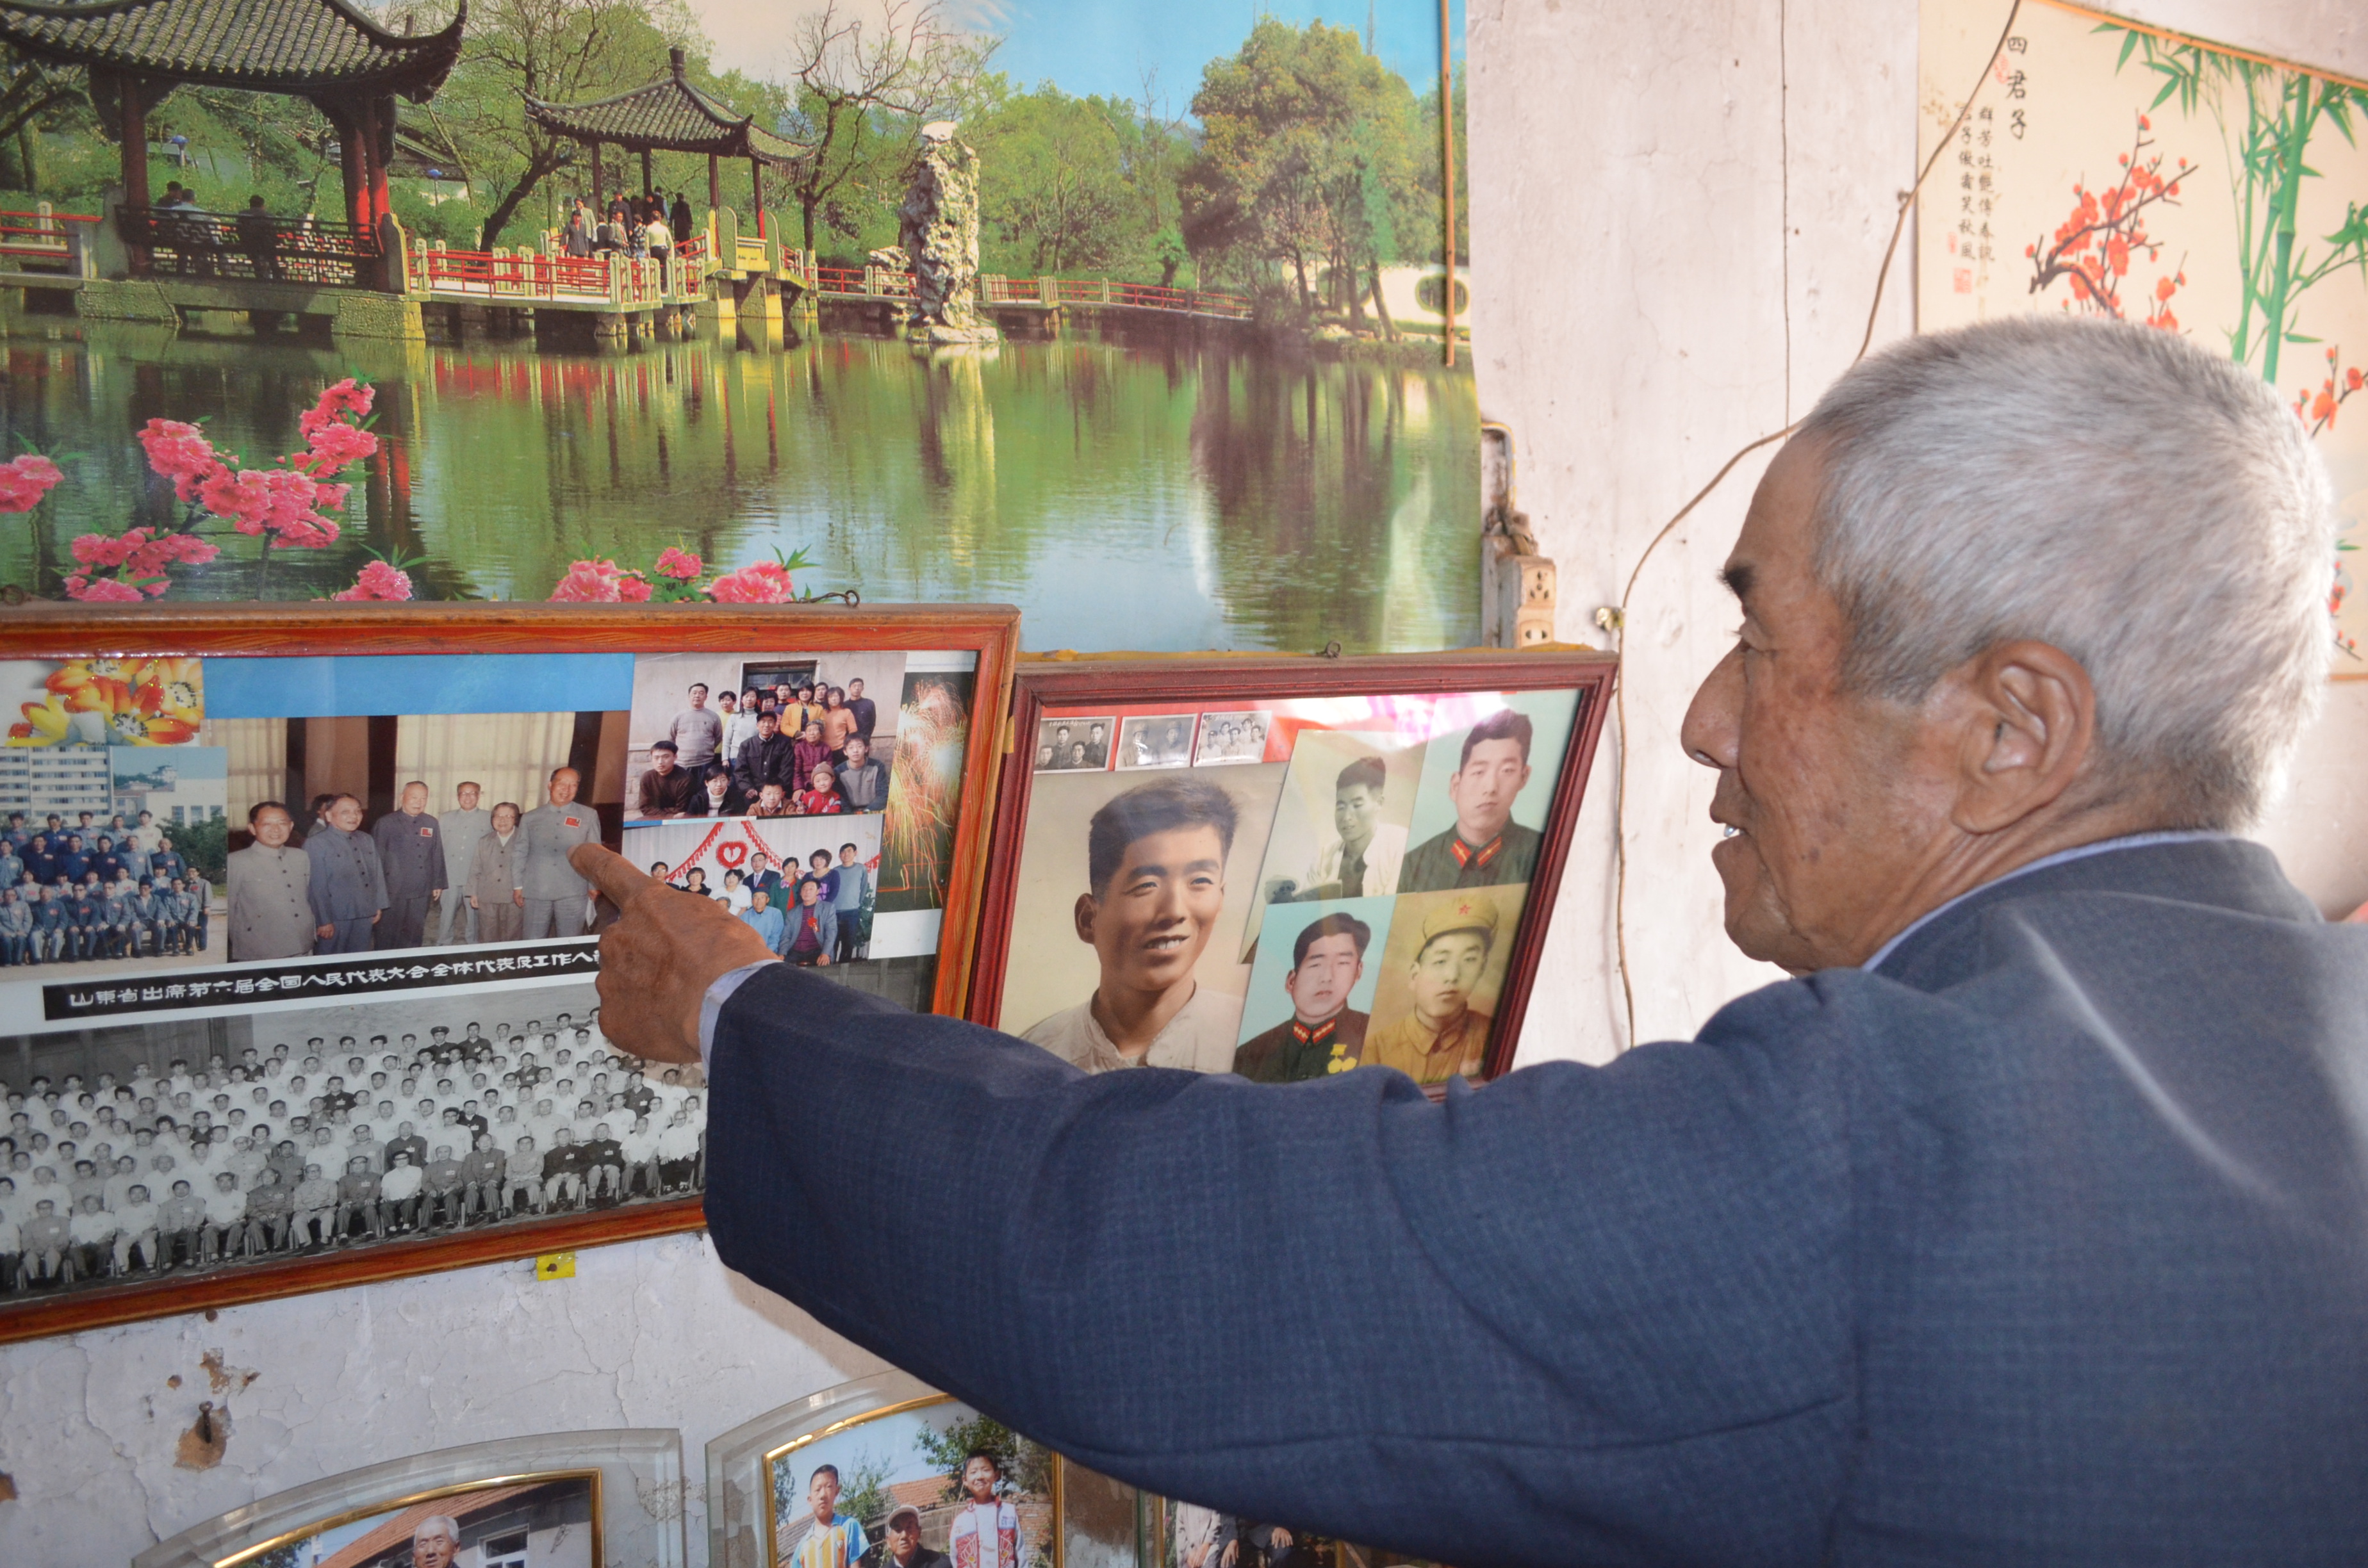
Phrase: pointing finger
(611, 872)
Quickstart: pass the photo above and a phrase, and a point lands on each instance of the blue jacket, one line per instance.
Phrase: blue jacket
(2046, 1244)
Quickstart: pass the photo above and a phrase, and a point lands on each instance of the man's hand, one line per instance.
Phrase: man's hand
(518, 897)
(658, 960)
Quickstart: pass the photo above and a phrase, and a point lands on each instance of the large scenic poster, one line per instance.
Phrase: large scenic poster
(1212, 408)
(2111, 169)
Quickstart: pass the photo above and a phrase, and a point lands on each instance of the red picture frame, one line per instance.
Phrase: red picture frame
(49, 631)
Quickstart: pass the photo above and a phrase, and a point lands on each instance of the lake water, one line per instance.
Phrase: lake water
(1181, 494)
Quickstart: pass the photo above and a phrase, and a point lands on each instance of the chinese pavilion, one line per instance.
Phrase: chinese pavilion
(670, 115)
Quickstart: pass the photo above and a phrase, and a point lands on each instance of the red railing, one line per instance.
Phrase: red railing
(39, 236)
(185, 242)
(879, 283)
(526, 277)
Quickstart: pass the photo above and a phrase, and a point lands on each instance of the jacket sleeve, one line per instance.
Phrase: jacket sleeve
(1580, 1314)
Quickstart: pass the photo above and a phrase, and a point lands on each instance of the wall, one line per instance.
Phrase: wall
(1691, 203)
(1684, 205)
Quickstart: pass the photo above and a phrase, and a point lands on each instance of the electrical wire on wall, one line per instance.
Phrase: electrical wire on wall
(1618, 619)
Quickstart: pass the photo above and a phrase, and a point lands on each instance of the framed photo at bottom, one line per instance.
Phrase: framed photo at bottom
(560, 1500)
(888, 1472)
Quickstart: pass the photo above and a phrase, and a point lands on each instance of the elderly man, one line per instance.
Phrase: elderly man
(411, 855)
(436, 1542)
(464, 826)
(270, 891)
(2027, 1224)
(346, 888)
(549, 889)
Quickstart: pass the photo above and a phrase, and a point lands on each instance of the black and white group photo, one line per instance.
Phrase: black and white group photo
(138, 1153)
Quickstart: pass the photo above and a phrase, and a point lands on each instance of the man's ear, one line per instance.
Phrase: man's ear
(2028, 731)
(1087, 907)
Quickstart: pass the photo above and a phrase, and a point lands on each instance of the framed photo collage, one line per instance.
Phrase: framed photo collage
(297, 984)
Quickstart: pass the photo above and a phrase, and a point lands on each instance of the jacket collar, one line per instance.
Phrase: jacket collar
(2208, 869)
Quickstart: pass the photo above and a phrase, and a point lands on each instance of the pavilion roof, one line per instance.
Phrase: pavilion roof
(669, 115)
(271, 46)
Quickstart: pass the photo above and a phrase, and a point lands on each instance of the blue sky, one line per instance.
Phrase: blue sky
(1095, 46)
(1102, 46)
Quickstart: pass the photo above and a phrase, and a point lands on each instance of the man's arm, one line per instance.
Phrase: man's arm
(1586, 1294)
(1593, 1297)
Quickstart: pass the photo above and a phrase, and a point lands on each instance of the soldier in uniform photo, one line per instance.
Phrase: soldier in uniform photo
(1444, 1037)
(271, 892)
(1155, 863)
(463, 828)
(1486, 847)
(410, 858)
(492, 887)
(1324, 1034)
(549, 889)
(346, 888)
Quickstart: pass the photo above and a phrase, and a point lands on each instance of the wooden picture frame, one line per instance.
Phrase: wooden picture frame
(1238, 691)
(983, 637)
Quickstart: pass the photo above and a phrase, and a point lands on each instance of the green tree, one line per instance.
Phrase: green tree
(1305, 161)
(1027, 1467)
(861, 91)
(559, 50)
(1053, 186)
(2267, 116)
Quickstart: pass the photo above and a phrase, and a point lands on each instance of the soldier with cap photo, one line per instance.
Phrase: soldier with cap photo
(1443, 1036)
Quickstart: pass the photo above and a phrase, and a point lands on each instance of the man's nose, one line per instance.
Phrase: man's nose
(1712, 725)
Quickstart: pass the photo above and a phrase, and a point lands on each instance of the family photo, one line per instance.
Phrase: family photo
(528, 1522)
(763, 736)
(936, 1486)
(149, 1152)
(809, 887)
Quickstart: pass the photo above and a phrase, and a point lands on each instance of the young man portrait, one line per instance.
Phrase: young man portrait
(1444, 1036)
(1324, 1034)
(1486, 847)
(1156, 869)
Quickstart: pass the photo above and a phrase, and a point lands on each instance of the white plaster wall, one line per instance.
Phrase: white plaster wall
(654, 1333)
(1684, 207)
(1683, 204)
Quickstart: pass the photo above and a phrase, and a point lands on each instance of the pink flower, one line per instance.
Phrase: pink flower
(674, 562)
(181, 453)
(337, 400)
(25, 481)
(101, 590)
(282, 500)
(378, 580)
(599, 581)
(334, 445)
(763, 583)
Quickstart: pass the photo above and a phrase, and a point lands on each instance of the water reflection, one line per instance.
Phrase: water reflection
(1168, 494)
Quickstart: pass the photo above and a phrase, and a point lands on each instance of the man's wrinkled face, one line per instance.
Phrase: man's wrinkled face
(904, 1538)
(562, 786)
(1150, 923)
(467, 794)
(1319, 987)
(1485, 788)
(1444, 973)
(433, 1550)
(415, 800)
(1812, 778)
(346, 815)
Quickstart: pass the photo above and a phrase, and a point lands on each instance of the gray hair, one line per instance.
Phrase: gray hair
(2143, 503)
(444, 1525)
